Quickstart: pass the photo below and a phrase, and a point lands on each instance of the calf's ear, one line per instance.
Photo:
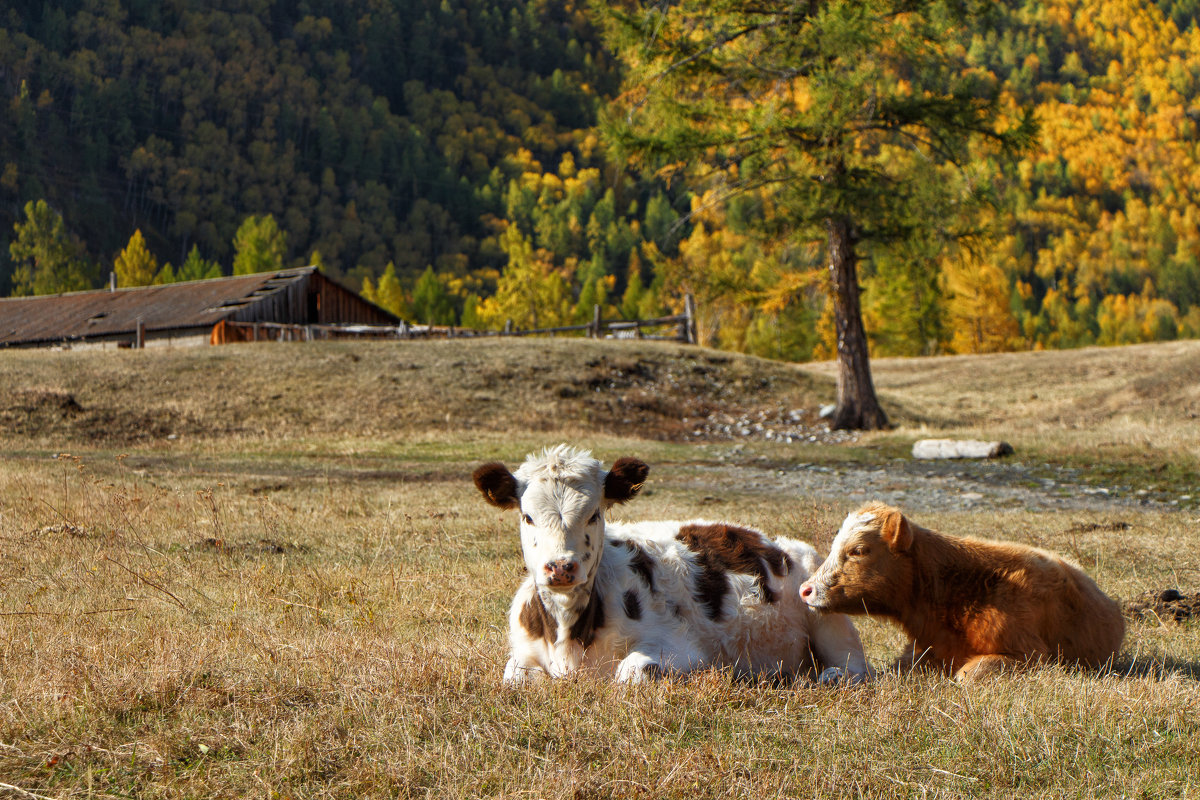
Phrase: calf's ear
(624, 480)
(497, 484)
(896, 532)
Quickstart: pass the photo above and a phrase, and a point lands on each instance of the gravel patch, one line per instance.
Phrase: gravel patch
(928, 486)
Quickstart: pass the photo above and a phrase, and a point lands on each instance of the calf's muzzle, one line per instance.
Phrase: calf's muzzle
(561, 572)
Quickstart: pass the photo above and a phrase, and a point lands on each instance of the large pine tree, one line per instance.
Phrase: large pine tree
(848, 115)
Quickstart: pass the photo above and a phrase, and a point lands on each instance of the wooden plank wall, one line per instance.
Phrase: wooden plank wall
(313, 300)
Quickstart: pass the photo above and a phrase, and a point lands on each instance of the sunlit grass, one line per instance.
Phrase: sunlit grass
(318, 610)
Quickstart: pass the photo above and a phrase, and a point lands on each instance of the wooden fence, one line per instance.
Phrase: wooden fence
(684, 326)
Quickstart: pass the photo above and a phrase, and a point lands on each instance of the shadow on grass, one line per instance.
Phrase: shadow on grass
(1153, 666)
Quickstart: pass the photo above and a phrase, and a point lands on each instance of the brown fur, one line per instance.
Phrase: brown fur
(725, 548)
(633, 606)
(970, 606)
(537, 622)
(590, 621)
(625, 479)
(641, 563)
(497, 484)
(711, 587)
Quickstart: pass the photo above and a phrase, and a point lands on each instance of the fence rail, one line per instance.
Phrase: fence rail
(684, 324)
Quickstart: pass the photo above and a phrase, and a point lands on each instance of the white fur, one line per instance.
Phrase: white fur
(560, 491)
(850, 525)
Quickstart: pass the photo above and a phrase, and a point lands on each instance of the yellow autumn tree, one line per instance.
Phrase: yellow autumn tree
(1133, 318)
(135, 265)
(387, 294)
(977, 307)
(531, 292)
(713, 265)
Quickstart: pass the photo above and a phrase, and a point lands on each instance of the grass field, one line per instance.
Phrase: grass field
(261, 571)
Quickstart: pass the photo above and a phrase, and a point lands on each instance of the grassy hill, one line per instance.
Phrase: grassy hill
(262, 571)
(1139, 402)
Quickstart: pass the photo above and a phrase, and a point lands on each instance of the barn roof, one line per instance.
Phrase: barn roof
(193, 304)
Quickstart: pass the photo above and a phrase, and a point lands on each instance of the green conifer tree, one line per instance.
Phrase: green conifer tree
(47, 259)
(197, 268)
(470, 313)
(844, 113)
(431, 303)
(259, 246)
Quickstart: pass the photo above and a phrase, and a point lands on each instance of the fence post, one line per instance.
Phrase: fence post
(140, 337)
(689, 312)
(594, 331)
(508, 326)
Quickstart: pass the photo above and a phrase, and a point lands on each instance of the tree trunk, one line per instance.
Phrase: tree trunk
(857, 407)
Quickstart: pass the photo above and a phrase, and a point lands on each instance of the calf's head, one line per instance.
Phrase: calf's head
(561, 495)
(869, 568)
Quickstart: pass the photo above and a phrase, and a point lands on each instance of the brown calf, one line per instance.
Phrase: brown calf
(971, 607)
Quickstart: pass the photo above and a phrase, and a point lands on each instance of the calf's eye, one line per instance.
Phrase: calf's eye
(595, 518)
(528, 519)
(859, 550)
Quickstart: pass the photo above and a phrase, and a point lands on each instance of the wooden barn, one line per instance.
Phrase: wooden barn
(285, 304)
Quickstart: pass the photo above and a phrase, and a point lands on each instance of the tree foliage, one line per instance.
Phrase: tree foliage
(196, 268)
(135, 266)
(374, 132)
(259, 246)
(48, 260)
(441, 136)
(388, 294)
(851, 122)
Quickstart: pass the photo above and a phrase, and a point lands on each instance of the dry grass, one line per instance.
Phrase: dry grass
(1140, 402)
(302, 597)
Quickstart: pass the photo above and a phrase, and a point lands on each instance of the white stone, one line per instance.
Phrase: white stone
(956, 448)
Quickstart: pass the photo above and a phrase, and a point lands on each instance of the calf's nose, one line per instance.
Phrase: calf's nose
(561, 572)
(806, 590)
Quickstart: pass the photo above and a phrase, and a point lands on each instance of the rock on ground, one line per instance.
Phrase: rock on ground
(955, 448)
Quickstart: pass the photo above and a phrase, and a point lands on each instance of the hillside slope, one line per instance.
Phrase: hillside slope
(647, 390)
(1134, 401)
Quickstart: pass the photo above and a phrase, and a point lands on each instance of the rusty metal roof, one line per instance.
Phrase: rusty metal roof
(104, 313)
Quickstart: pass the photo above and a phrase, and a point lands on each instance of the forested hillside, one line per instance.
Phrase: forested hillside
(1103, 243)
(445, 158)
(372, 132)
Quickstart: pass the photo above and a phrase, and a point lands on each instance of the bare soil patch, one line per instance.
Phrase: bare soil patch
(251, 547)
(41, 412)
(1169, 604)
(697, 397)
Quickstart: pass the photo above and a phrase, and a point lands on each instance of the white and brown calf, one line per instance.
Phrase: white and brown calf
(641, 599)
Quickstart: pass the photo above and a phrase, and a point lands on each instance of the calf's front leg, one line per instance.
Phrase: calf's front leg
(517, 673)
(638, 667)
(649, 660)
(981, 667)
(838, 649)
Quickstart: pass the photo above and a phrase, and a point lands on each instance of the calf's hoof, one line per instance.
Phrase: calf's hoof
(837, 676)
